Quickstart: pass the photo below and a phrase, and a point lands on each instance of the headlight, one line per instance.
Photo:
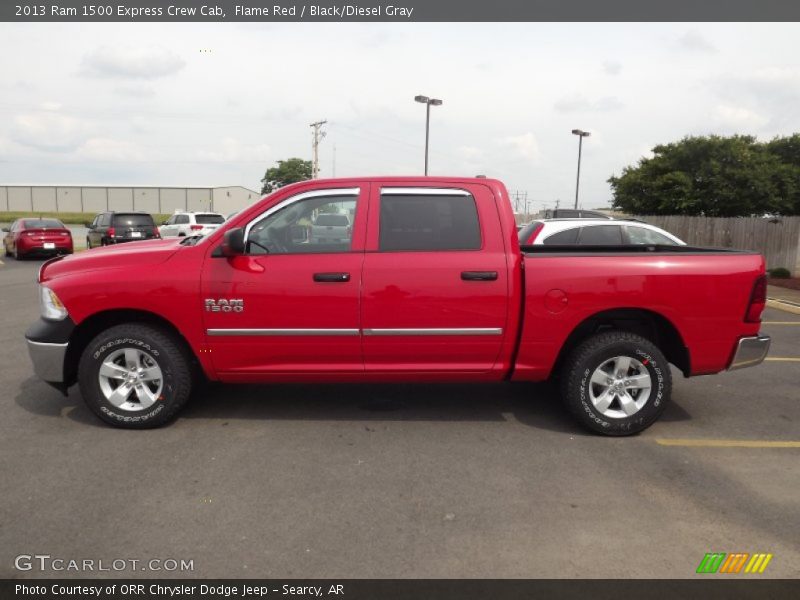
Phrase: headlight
(50, 306)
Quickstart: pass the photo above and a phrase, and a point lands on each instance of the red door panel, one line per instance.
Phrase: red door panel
(300, 312)
(419, 314)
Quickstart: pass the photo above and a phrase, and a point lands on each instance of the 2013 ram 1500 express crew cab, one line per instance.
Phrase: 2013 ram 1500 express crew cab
(429, 284)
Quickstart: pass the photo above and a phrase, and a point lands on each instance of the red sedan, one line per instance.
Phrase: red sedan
(42, 237)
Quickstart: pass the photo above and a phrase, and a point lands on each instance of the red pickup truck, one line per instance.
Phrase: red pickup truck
(430, 284)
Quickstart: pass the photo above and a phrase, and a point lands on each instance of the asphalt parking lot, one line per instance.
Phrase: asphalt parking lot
(408, 481)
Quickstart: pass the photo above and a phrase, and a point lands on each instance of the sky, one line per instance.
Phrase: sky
(216, 104)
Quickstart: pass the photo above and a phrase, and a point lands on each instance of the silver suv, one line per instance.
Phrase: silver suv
(190, 223)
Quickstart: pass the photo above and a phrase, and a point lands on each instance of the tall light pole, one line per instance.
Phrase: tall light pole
(428, 102)
(581, 134)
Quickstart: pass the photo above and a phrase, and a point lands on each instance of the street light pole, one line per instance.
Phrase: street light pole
(428, 103)
(581, 134)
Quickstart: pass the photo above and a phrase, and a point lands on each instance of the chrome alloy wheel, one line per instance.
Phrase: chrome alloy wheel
(620, 387)
(131, 379)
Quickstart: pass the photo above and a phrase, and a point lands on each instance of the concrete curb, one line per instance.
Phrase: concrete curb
(784, 305)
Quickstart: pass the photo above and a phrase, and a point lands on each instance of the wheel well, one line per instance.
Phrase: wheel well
(650, 325)
(90, 327)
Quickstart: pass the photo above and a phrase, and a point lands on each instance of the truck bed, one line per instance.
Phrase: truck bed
(703, 293)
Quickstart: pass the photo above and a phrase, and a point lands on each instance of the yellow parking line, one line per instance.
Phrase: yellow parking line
(728, 443)
(780, 322)
(782, 359)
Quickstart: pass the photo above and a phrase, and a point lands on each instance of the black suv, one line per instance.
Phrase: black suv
(115, 227)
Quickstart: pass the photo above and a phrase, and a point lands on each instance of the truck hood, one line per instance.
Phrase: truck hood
(131, 254)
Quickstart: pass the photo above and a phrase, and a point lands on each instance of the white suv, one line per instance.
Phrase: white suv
(191, 223)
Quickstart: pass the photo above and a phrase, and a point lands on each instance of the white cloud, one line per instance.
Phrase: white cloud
(612, 67)
(469, 152)
(580, 103)
(131, 63)
(525, 145)
(232, 150)
(693, 41)
(738, 117)
(107, 149)
(49, 131)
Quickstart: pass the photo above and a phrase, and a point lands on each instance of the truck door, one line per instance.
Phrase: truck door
(435, 280)
(291, 304)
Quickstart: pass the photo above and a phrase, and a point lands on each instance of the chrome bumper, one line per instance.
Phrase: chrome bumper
(750, 351)
(48, 360)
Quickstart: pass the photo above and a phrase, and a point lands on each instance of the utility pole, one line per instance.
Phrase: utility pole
(316, 139)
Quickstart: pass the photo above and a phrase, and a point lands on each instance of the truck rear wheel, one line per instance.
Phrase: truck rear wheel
(135, 376)
(616, 383)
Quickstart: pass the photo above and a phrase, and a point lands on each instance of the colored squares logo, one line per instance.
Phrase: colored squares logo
(734, 563)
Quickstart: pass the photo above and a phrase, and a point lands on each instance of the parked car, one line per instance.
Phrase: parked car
(182, 224)
(35, 236)
(430, 285)
(575, 213)
(586, 232)
(117, 227)
(329, 228)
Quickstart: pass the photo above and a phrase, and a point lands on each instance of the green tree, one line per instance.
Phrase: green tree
(287, 171)
(713, 176)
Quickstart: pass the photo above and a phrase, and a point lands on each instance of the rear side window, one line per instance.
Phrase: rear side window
(642, 235)
(41, 223)
(428, 222)
(209, 219)
(601, 235)
(122, 220)
(565, 238)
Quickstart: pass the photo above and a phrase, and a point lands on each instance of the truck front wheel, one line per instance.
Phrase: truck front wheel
(135, 376)
(616, 383)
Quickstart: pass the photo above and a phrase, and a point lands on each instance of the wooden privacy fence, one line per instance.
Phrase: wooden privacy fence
(777, 239)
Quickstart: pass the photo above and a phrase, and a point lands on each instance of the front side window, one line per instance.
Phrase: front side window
(319, 224)
(434, 222)
(601, 235)
(642, 235)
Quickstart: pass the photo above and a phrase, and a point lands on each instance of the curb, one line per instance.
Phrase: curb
(784, 305)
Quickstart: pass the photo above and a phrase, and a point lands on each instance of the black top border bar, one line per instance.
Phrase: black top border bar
(138, 11)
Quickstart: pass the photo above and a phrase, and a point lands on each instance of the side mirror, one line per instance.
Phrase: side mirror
(233, 242)
(4, 229)
(88, 226)
(163, 222)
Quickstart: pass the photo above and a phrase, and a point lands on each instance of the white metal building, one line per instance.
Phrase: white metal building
(99, 198)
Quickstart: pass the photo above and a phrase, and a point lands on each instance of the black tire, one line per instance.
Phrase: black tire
(594, 352)
(169, 354)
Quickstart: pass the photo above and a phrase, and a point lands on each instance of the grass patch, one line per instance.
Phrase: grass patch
(68, 218)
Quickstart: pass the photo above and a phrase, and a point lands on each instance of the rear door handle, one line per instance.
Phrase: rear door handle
(479, 275)
(332, 277)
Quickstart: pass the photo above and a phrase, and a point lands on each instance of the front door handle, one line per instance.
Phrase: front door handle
(332, 277)
(479, 275)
